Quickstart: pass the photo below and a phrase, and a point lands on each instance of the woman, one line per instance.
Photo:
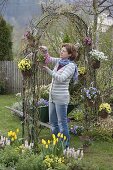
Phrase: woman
(65, 69)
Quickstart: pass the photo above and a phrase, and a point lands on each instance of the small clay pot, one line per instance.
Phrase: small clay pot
(95, 64)
(27, 73)
(103, 114)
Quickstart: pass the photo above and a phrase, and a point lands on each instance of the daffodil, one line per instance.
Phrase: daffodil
(48, 142)
(54, 142)
(54, 137)
(46, 146)
(43, 142)
(64, 137)
(59, 134)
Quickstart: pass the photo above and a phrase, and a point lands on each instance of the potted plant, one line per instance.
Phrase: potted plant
(104, 110)
(91, 95)
(25, 65)
(87, 41)
(82, 73)
(96, 56)
(43, 110)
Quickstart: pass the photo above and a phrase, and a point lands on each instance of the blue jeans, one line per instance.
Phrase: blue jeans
(58, 119)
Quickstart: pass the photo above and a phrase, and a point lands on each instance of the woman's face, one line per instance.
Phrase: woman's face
(64, 54)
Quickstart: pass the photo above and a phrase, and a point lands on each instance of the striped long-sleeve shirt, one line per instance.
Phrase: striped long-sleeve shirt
(59, 92)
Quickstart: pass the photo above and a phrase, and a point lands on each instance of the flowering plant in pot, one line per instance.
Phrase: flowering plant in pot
(87, 41)
(82, 70)
(96, 57)
(90, 94)
(104, 110)
(82, 73)
(25, 65)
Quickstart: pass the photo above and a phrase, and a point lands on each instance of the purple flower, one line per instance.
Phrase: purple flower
(87, 41)
(68, 120)
(90, 93)
(42, 102)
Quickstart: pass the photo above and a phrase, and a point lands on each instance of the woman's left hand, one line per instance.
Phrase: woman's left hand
(47, 69)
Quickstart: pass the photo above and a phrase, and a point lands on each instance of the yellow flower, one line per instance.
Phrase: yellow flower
(46, 146)
(48, 142)
(64, 137)
(13, 133)
(53, 135)
(12, 139)
(54, 142)
(10, 133)
(59, 134)
(60, 160)
(105, 106)
(17, 130)
(24, 64)
(56, 139)
(15, 137)
(43, 142)
(81, 70)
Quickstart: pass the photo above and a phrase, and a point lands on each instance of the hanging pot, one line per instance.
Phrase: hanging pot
(27, 73)
(90, 103)
(103, 114)
(95, 64)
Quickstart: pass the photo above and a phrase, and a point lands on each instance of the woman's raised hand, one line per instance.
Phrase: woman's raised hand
(43, 49)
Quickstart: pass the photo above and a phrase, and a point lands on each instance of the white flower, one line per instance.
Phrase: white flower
(97, 55)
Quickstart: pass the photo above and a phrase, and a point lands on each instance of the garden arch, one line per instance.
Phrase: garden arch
(37, 30)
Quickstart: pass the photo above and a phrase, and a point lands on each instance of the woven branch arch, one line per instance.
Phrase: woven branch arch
(38, 29)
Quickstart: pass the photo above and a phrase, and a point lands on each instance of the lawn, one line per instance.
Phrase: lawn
(8, 121)
(99, 154)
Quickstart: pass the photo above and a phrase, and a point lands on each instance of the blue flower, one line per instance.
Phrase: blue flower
(90, 93)
(42, 102)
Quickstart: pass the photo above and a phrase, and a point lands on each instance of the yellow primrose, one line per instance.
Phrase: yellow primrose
(24, 64)
(105, 106)
(81, 70)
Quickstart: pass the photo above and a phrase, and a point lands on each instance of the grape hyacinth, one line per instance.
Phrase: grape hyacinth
(42, 102)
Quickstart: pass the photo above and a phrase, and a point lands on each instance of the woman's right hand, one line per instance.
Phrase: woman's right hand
(43, 49)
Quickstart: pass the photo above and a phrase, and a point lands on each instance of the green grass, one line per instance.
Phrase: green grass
(8, 121)
(99, 154)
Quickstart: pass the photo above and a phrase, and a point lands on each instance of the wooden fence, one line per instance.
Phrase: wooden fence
(12, 77)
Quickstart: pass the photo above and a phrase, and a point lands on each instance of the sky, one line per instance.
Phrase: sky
(20, 12)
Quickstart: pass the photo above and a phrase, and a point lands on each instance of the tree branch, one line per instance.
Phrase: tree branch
(107, 7)
(101, 3)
